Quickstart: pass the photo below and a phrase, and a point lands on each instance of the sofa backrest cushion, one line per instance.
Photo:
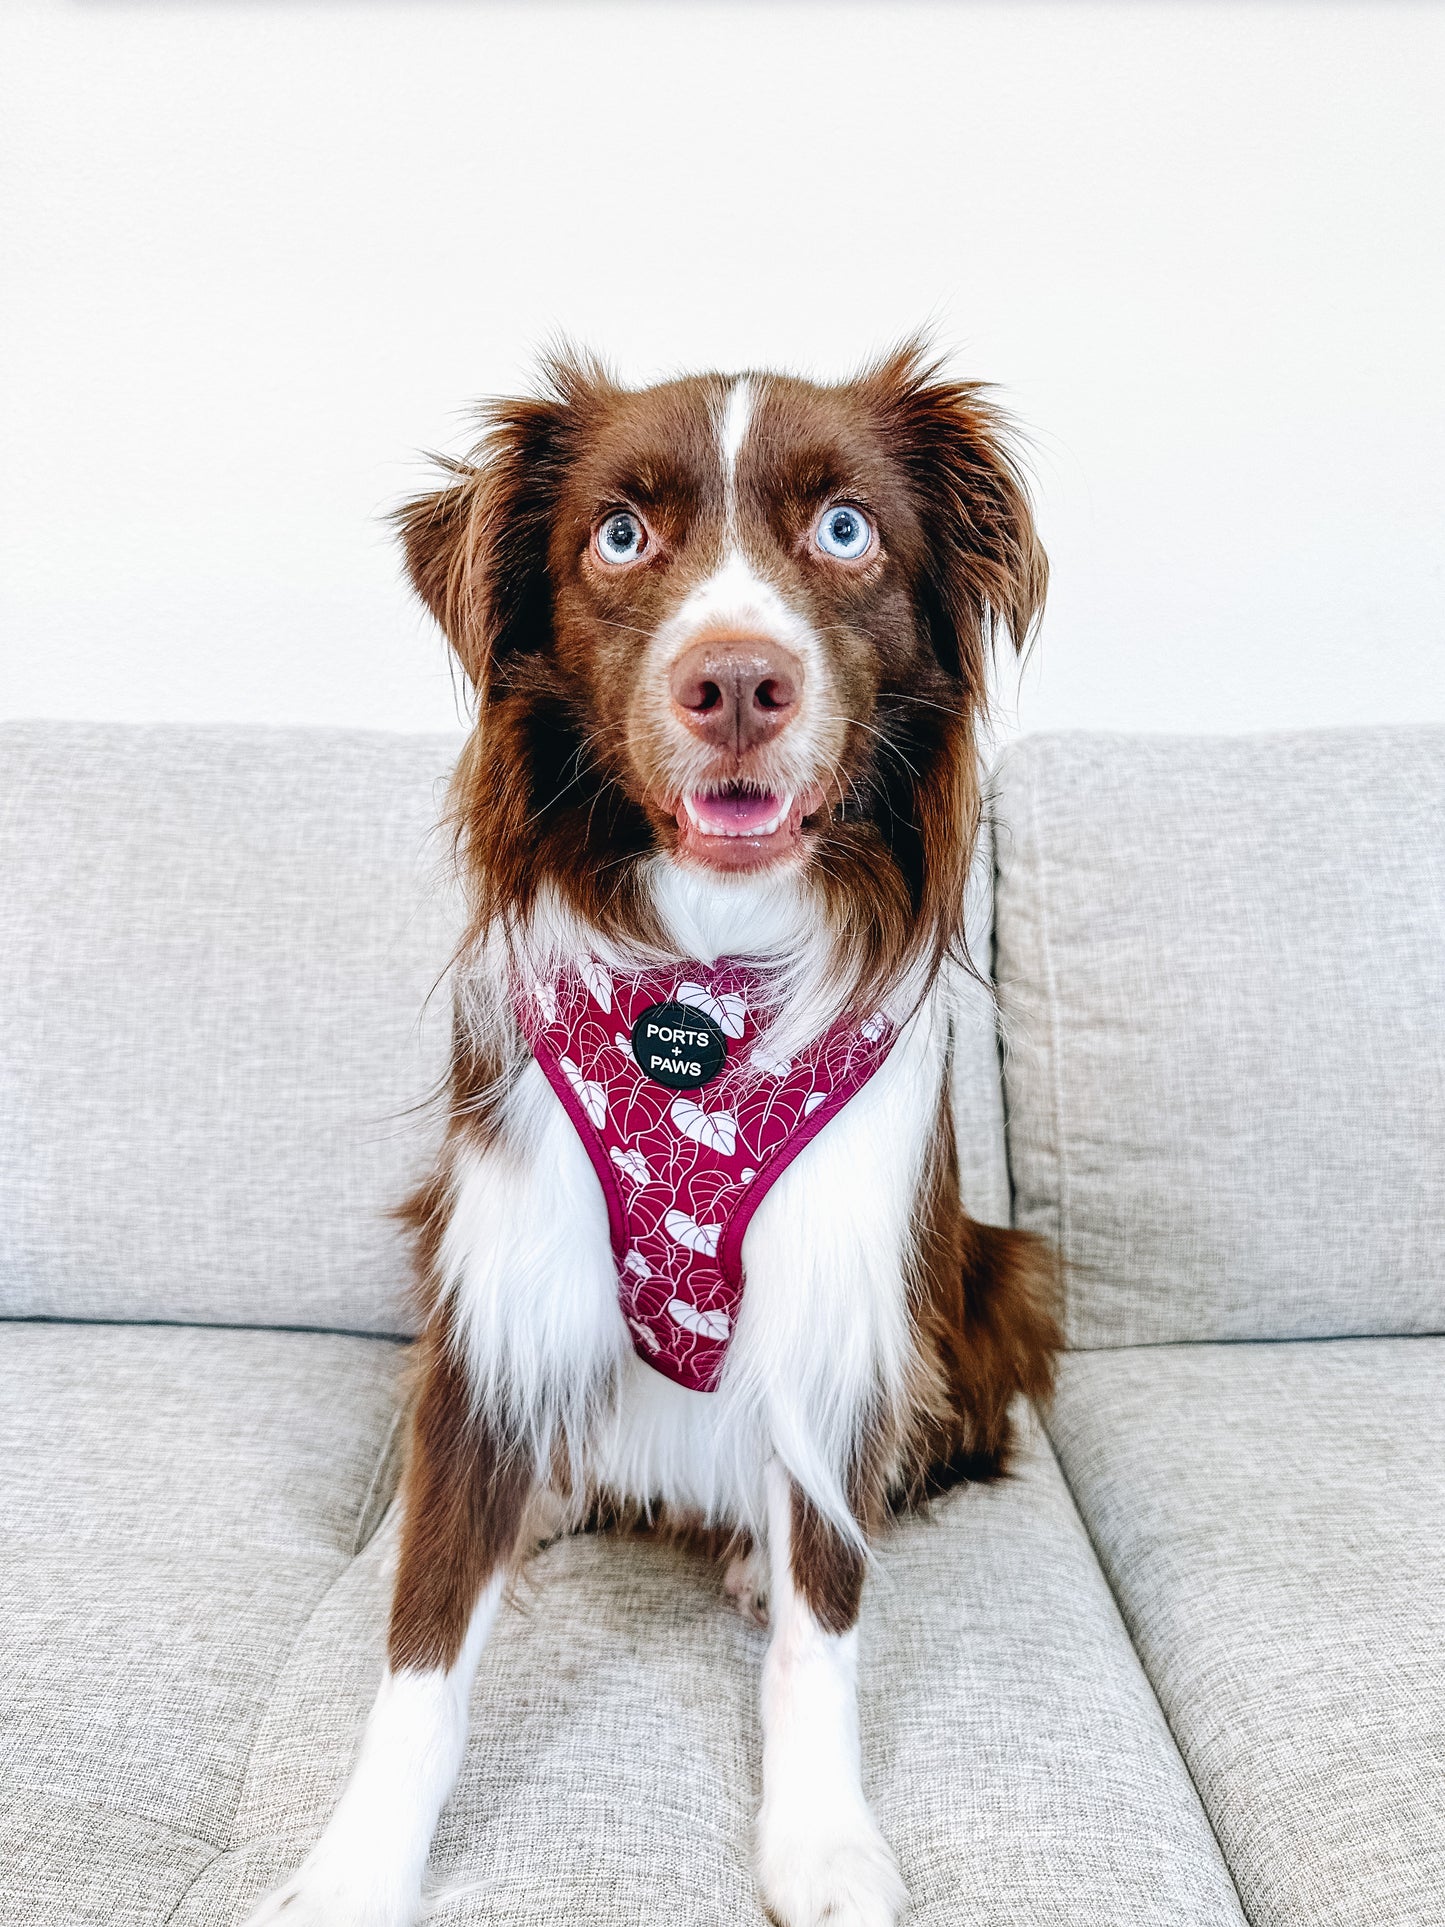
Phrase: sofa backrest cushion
(1221, 972)
(220, 1005)
(217, 954)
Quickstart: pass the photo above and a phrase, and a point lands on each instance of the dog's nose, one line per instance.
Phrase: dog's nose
(736, 694)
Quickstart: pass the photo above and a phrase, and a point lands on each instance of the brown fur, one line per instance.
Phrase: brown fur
(984, 1302)
(827, 1571)
(565, 783)
(464, 1501)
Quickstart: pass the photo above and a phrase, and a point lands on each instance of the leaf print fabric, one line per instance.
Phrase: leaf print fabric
(588, 1092)
(683, 1172)
(708, 1324)
(686, 1231)
(716, 1129)
(726, 1008)
(632, 1164)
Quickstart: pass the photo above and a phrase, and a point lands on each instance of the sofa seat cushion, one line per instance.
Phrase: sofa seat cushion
(1272, 1521)
(1014, 1749)
(176, 1505)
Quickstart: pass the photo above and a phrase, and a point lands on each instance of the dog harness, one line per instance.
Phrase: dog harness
(688, 1118)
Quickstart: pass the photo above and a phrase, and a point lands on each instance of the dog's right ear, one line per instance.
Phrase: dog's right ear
(476, 549)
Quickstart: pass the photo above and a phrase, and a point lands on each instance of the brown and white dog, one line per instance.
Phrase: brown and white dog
(728, 641)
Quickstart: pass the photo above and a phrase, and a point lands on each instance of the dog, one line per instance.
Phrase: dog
(693, 1253)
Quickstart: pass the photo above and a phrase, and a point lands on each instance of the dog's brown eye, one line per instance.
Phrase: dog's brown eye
(621, 538)
(844, 532)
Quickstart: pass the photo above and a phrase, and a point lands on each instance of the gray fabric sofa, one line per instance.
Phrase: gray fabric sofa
(1186, 1666)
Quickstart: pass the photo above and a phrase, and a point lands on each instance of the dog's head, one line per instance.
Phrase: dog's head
(739, 620)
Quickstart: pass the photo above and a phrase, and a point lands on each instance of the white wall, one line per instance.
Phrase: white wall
(254, 256)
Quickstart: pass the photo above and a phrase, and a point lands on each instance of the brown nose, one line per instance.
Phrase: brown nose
(736, 694)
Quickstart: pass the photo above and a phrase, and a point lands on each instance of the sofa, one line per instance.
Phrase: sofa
(1185, 1667)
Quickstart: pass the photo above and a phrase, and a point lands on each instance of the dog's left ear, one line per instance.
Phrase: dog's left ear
(986, 571)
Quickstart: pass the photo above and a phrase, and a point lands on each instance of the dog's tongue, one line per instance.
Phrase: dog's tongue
(742, 814)
(740, 829)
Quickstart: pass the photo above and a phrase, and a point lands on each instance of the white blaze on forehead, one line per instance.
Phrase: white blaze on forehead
(736, 596)
(737, 412)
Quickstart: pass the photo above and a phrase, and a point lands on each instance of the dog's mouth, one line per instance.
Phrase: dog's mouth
(738, 826)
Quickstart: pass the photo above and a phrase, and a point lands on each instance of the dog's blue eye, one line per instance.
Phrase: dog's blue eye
(621, 538)
(845, 533)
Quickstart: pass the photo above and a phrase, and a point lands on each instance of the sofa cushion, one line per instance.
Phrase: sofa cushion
(218, 950)
(1221, 967)
(220, 1008)
(176, 1505)
(1272, 1521)
(1015, 1752)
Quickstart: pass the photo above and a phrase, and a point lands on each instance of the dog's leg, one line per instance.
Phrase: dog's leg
(820, 1854)
(463, 1502)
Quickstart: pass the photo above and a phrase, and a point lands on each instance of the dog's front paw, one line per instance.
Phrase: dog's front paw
(745, 1584)
(843, 1875)
(328, 1893)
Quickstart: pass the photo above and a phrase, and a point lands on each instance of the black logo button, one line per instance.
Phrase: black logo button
(678, 1046)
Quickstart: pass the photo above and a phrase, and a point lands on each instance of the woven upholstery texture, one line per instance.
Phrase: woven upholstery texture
(214, 1017)
(1272, 1521)
(220, 1007)
(1016, 1754)
(219, 946)
(1221, 967)
(176, 1504)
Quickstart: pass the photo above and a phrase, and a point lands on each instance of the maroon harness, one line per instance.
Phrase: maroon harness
(688, 1118)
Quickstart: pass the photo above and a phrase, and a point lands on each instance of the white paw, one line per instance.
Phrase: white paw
(844, 1877)
(331, 1893)
(745, 1584)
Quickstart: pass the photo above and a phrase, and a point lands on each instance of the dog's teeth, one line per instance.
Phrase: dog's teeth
(768, 828)
(758, 829)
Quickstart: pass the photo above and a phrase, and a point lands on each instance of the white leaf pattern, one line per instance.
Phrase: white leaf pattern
(631, 1163)
(693, 1236)
(875, 1026)
(637, 1264)
(590, 1095)
(718, 1130)
(706, 1324)
(544, 996)
(598, 979)
(725, 1007)
(812, 1101)
(652, 1342)
(765, 1059)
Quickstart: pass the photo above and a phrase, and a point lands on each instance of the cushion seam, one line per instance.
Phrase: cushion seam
(360, 1537)
(357, 1544)
(131, 1819)
(1000, 1038)
(1148, 1676)
(232, 1843)
(1061, 1207)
